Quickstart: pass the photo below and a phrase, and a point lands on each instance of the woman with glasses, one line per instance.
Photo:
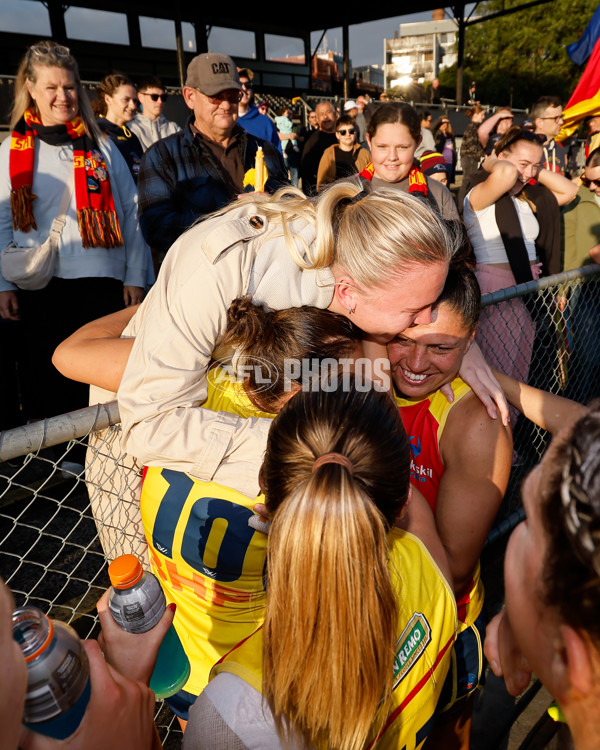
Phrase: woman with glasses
(393, 134)
(512, 219)
(345, 158)
(115, 106)
(150, 125)
(57, 156)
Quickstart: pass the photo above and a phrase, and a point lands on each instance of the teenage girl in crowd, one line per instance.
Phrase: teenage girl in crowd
(393, 134)
(514, 227)
(116, 106)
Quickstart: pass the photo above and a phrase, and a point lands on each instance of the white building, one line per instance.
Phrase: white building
(421, 50)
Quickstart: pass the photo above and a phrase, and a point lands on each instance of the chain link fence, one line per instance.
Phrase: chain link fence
(58, 529)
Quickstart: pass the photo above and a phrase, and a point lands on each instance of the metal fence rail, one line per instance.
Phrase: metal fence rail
(58, 529)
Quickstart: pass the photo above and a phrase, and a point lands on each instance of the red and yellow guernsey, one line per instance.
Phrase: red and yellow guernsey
(424, 420)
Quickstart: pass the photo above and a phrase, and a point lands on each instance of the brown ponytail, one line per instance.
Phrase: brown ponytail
(277, 343)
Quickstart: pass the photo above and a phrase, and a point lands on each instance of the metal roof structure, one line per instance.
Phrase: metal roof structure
(96, 59)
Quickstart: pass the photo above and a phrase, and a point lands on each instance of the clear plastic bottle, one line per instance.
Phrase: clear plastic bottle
(137, 602)
(58, 673)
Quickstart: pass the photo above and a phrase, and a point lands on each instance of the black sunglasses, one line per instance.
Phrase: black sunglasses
(349, 131)
(156, 97)
(589, 183)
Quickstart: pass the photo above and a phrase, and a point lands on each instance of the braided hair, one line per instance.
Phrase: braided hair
(571, 517)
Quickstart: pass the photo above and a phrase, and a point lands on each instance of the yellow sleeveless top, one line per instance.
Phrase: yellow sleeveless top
(426, 632)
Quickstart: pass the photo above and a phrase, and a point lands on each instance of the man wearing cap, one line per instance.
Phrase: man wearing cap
(202, 168)
(250, 118)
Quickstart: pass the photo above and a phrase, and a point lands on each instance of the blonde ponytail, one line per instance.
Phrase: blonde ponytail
(331, 615)
(330, 599)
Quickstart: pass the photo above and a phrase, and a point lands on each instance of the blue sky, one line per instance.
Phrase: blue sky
(366, 40)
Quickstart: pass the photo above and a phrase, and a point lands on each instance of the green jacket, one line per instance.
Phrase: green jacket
(581, 224)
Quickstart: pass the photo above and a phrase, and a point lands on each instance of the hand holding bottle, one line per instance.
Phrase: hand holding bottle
(132, 654)
(119, 715)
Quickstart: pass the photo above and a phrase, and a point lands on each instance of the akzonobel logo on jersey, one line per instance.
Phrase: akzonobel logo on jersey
(410, 646)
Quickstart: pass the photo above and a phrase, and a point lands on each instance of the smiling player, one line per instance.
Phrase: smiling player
(460, 461)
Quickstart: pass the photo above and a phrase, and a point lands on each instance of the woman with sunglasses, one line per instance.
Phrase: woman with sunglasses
(115, 107)
(513, 222)
(344, 158)
(57, 156)
(582, 218)
(150, 125)
(393, 134)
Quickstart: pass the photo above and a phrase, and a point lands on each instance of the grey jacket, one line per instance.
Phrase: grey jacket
(149, 131)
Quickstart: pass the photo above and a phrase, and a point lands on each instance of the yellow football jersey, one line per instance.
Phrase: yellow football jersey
(207, 558)
(426, 632)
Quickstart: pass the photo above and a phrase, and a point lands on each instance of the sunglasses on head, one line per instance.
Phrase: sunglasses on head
(156, 97)
(48, 48)
(347, 131)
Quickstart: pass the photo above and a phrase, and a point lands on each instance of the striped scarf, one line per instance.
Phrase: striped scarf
(96, 215)
(416, 179)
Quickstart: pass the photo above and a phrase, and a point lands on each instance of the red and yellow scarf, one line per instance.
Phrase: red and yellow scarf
(416, 179)
(96, 215)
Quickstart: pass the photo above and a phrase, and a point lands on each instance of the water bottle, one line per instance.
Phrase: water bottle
(137, 602)
(58, 673)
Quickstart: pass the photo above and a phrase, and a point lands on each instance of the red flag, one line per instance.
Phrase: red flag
(585, 100)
